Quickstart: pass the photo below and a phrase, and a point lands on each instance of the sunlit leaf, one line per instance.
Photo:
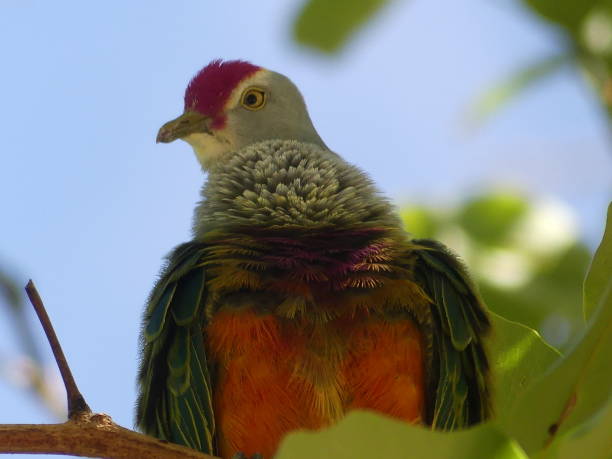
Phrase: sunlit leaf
(574, 388)
(496, 97)
(518, 357)
(367, 435)
(600, 270)
(328, 24)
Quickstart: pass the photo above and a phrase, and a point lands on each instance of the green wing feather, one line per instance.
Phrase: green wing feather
(175, 396)
(458, 382)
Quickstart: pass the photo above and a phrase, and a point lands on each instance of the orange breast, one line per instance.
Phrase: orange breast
(276, 375)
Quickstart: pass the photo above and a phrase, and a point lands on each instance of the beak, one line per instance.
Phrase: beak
(187, 123)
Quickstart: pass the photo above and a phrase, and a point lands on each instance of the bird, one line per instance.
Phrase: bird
(301, 296)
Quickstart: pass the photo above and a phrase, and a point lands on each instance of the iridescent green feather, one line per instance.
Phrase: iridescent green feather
(458, 378)
(175, 401)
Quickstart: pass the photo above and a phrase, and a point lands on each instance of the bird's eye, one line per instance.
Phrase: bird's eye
(253, 99)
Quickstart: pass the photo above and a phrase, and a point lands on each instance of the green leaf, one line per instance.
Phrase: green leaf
(419, 221)
(490, 218)
(591, 437)
(568, 13)
(518, 357)
(600, 270)
(9, 291)
(496, 97)
(551, 295)
(572, 390)
(367, 435)
(328, 24)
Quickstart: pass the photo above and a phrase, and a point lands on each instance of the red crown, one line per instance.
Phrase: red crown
(209, 89)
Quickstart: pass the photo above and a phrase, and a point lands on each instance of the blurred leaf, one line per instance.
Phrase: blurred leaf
(518, 357)
(600, 270)
(573, 390)
(367, 435)
(596, 31)
(496, 97)
(568, 13)
(489, 218)
(419, 221)
(587, 36)
(554, 292)
(328, 24)
(591, 437)
(9, 290)
(508, 243)
(14, 299)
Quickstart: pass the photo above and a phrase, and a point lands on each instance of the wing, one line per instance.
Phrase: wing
(175, 397)
(458, 383)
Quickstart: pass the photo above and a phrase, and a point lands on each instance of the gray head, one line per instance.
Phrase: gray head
(230, 105)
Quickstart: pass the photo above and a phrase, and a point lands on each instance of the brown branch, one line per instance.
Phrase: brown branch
(76, 402)
(93, 435)
(84, 434)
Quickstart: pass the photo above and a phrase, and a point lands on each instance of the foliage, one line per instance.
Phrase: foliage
(367, 435)
(549, 406)
(9, 292)
(525, 257)
(326, 25)
(519, 357)
(599, 272)
(584, 28)
(524, 78)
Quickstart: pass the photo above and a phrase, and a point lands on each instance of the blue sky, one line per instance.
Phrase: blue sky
(90, 204)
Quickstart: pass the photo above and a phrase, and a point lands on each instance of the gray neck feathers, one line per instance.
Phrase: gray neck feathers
(281, 184)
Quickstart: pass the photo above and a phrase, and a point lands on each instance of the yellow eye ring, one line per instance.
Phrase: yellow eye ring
(253, 98)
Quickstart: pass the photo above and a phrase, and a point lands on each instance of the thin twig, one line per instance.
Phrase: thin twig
(32, 366)
(76, 403)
